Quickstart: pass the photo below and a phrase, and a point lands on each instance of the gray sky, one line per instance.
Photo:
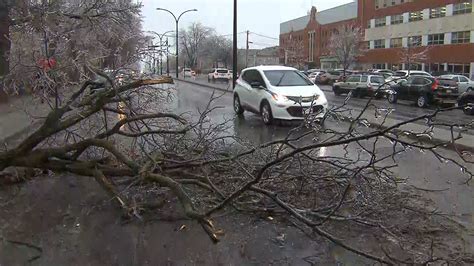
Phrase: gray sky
(260, 16)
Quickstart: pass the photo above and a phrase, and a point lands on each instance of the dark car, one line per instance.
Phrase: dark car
(466, 101)
(424, 91)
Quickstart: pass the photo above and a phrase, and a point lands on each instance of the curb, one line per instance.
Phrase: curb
(21, 132)
(434, 141)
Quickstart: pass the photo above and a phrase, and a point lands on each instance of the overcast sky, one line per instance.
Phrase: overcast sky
(260, 16)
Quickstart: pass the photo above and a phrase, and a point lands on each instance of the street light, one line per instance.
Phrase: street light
(161, 36)
(177, 29)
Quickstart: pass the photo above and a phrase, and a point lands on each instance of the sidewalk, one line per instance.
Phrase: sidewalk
(441, 135)
(20, 115)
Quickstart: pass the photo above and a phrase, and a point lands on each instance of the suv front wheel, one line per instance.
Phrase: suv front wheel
(266, 113)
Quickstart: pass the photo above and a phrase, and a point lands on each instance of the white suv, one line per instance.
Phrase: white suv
(219, 74)
(277, 92)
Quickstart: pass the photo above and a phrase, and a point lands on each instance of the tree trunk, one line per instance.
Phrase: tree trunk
(4, 47)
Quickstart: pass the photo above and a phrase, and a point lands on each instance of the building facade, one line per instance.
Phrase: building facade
(430, 35)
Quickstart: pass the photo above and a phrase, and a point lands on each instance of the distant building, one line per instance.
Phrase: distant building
(442, 28)
(259, 57)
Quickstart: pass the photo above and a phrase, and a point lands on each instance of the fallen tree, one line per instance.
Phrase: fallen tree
(124, 137)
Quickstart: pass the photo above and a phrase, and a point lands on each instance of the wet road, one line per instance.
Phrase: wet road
(420, 169)
(403, 110)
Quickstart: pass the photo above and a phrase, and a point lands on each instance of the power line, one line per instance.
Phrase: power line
(262, 44)
(264, 36)
(228, 35)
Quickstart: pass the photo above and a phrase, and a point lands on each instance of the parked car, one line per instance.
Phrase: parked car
(424, 91)
(219, 74)
(440, 73)
(278, 92)
(361, 85)
(466, 100)
(187, 72)
(382, 71)
(464, 84)
(330, 77)
(315, 76)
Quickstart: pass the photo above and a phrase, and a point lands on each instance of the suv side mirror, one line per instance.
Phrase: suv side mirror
(256, 85)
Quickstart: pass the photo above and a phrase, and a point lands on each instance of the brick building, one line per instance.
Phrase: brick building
(442, 30)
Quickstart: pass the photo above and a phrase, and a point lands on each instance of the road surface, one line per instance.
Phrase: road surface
(403, 110)
(420, 169)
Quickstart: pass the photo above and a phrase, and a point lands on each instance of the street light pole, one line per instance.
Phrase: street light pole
(234, 54)
(177, 34)
(167, 58)
(161, 36)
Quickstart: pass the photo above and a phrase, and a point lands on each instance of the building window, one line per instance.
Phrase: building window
(396, 19)
(461, 37)
(438, 12)
(379, 44)
(415, 41)
(415, 16)
(436, 39)
(461, 69)
(380, 22)
(416, 66)
(462, 8)
(389, 3)
(378, 66)
(396, 43)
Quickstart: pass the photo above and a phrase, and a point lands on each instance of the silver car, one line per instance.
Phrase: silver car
(464, 84)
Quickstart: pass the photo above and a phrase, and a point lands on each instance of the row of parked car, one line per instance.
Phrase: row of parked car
(418, 86)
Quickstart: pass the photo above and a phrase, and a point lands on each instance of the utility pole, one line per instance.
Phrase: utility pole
(167, 58)
(161, 57)
(247, 51)
(234, 54)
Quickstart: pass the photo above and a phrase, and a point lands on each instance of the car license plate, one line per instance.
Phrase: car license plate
(448, 91)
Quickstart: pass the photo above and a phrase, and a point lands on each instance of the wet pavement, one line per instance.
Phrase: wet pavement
(443, 183)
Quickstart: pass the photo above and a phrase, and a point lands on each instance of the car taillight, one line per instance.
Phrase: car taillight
(435, 85)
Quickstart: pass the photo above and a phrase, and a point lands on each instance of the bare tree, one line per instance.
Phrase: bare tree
(346, 44)
(68, 37)
(294, 53)
(414, 53)
(127, 138)
(192, 40)
(217, 49)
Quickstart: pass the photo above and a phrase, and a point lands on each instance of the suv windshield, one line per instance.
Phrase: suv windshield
(225, 71)
(281, 78)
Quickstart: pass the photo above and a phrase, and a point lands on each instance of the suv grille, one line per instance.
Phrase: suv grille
(297, 111)
(298, 99)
